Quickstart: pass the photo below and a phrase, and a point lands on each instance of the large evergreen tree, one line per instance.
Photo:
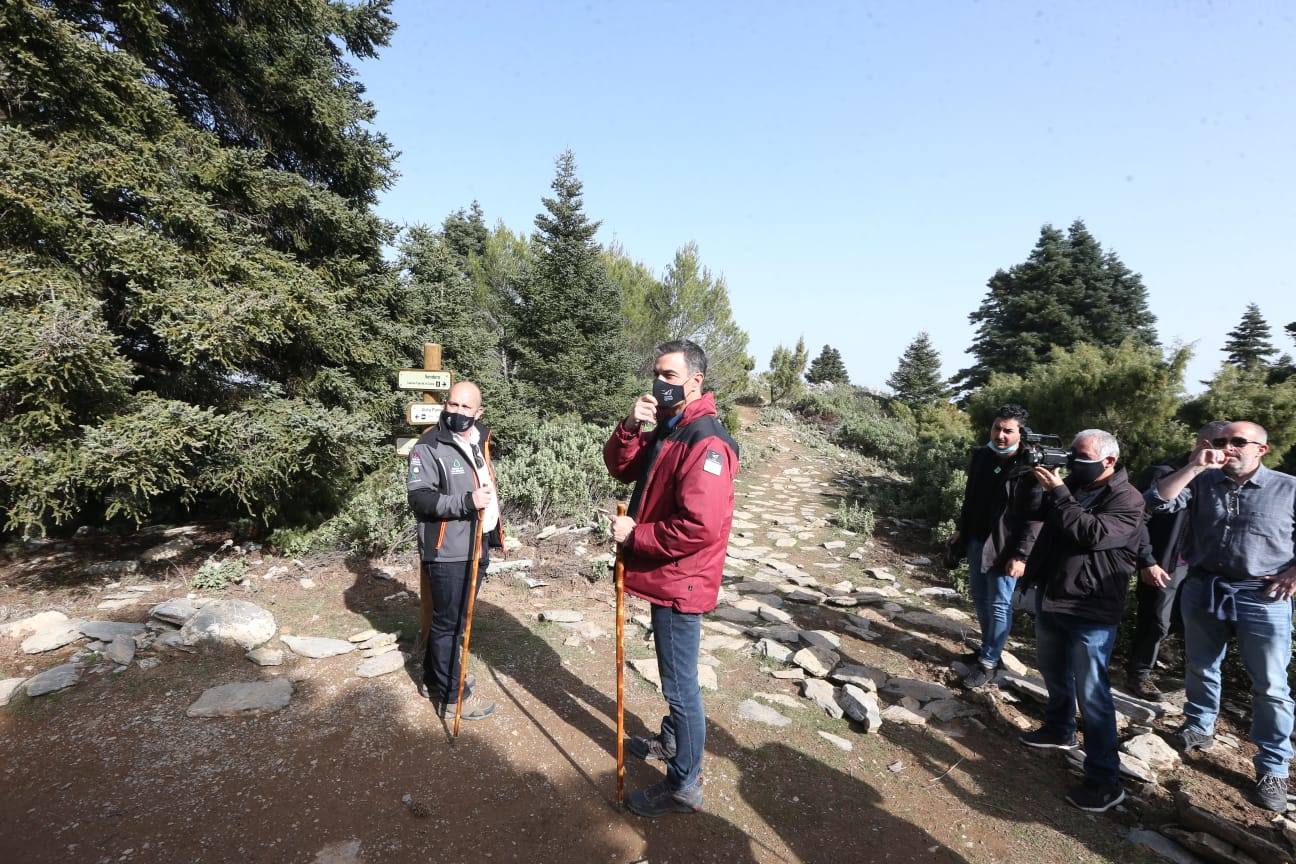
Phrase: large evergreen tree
(828, 367)
(196, 311)
(917, 379)
(570, 337)
(1068, 291)
(1250, 344)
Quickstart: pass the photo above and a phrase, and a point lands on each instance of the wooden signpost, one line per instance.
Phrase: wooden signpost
(432, 380)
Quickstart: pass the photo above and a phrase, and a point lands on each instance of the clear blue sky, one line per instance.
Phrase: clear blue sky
(857, 171)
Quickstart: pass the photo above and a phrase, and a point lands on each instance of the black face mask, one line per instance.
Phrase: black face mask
(458, 423)
(1084, 472)
(667, 395)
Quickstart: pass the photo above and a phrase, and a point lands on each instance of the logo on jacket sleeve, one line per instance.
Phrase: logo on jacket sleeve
(714, 463)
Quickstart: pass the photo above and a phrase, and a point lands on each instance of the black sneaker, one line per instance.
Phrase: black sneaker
(1044, 738)
(979, 677)
(661, 799)
(1144, 687)
(650, 749)
(424, 689)
(1093, 798)
(1270, 792)
(1190, 739)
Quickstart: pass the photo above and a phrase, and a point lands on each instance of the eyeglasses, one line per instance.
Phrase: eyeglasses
(1235, 441)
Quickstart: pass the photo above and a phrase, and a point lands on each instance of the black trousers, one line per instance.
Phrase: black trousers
(448, 583)
(1156, 607)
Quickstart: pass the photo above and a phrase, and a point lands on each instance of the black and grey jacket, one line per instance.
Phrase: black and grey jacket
(440, 482)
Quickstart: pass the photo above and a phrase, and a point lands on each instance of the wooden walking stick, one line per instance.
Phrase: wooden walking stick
(467, 637)
(618, 577)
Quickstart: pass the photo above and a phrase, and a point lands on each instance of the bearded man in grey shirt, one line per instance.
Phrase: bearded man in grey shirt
(1241, 555)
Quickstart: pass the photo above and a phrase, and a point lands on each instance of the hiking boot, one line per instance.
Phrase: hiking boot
(1144, 687)
(1190, 739)
(979, 677)
(650, 749)
(1045, 738)
(1093, 798)
(425, 690)
(1270, 792)
(474, 708)
(660, 799)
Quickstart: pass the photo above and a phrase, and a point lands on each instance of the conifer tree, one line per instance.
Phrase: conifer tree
(828, 366)
(570, 337)
(917, 379)
(1068, 291)
(786, 368)
(1249, 344)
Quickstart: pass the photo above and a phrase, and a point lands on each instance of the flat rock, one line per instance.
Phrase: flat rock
(122, 649)
(112, 568)
(936, 591)
(1028, 685)
(721, 642)
(777, 632)
(378, 640)
(1009, 661)
(861, 706)
(362, 636)
(51, 637)
(916, 688)
(752, 710)
(934, 621)
(736, 616)
(1162, 846)
(825, 639)
(816, 661)
(830, 545)
(837, 741)
(1209, 847)
(903, 715)
(24, 627)
(172, 548)
(107, 631)
(114, 603)
(780, 699)
(317, 647)
(230, 621)
(247, 697)
(879, 574)
(266, 656)
(562, 616)
(707, 678)
(647, 669)
(8, 687)
(823, 694)
(795, 673)
(774, 650)
(945, 710)
(383, 664)
(177, 610)
(1153, 750)
(587, 630)
(58, 678)
(866, 678)
(379, 650)
(515, 566)
(805, 595)
(777, 616)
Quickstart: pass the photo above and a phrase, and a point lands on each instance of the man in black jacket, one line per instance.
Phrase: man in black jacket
(1083, 560)
(999, 538)
(1161, 573)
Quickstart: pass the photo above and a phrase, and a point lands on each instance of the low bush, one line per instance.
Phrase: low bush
(556, 472)
(218, 575)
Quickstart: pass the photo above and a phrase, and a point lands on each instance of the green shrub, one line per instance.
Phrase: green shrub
(853, 516)
(556, 472)
(886, 439)
(218, 575)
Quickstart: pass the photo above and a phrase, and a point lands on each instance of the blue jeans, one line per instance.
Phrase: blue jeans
(1073, 655)
(1263, 631)
(677, 636)
(992, 595)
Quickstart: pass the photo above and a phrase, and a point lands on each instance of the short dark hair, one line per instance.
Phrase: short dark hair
(1012, 411)
(694, 357)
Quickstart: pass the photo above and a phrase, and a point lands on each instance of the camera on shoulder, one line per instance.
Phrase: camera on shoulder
(1039, 450)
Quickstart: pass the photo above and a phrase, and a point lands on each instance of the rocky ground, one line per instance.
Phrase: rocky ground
(277, 720)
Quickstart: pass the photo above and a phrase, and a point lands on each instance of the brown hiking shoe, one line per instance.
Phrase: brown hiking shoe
(474, 708)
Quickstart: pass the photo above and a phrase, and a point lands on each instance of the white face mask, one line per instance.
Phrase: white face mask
(1003, 451)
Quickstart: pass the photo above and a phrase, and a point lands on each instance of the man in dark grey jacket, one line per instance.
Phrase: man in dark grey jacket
(451, 486)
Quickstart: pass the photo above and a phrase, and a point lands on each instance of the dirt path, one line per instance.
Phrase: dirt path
(361, 769)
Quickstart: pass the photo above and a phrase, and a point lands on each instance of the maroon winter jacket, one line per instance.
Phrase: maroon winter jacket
(683, 506)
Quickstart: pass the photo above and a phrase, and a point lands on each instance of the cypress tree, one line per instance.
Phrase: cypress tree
(828, 366)
(1249, 344)
(786, 369)
(917, 379)
(570, 338)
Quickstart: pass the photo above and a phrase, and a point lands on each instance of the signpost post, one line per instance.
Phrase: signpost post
(431, 379)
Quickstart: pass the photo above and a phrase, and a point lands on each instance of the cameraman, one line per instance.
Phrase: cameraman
(999, 539)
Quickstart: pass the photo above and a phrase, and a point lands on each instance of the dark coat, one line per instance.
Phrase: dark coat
(1015, 527)
(1085, 555)
(1166, 531)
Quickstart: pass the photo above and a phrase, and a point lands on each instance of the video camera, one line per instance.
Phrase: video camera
(1039, 450)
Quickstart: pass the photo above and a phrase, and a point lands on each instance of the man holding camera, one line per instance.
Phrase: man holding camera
(999, 539)
(1241, 554)
(673, 544)
(1162, 571)
(1083, 560)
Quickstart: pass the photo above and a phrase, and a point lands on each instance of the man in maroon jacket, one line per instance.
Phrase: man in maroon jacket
(673, 545)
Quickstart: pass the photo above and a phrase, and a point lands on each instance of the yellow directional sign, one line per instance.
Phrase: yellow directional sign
(422, 413)
(405, 445)
(422, 379)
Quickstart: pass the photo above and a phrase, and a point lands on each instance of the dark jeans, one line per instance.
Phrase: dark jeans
(1156, 608)
(677, 636)
(1073, 656)
(448, 583)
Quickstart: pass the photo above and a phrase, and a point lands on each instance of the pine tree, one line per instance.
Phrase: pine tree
(1068, 291)
(465, 232)
(197, 315)
(1249, 344)
(570, 342)
(786, 369)
(828, 366)
(917, 379)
